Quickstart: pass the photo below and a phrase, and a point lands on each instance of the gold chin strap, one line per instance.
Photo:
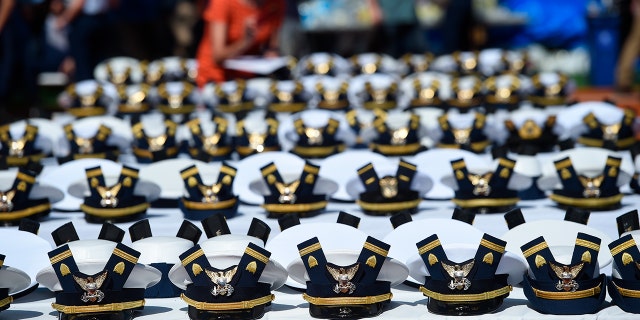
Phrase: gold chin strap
(466, 297)
(111, 307)
(227, 306)
(570, 295)
(346, 301)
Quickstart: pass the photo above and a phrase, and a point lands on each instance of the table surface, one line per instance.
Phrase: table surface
(407, 303)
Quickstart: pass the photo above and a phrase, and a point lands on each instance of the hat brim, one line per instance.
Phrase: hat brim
(557, 233)
(392, 270)
(332, 236)
(589, 161)
(357, 85)
(510, 263)
(408, 90)
(322, 185)
(142, 276)
(571, 119)
(30, 263)
(14, 279)
(161, 249)
(248, 170)
(313, 118)
(90, 257)
(50, 135)
(66, 174)
(38, 191)
(119, 63)
(437, 164)
(256, 65)
(166, 174)
(121, 134)
(403, 239)
(147, 189)
(342, 166)
(225, 251)
(421, 182)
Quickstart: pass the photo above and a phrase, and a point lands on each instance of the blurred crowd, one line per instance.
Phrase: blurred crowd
(73, 36)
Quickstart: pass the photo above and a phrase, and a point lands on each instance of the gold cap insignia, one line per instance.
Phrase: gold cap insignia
(287, 192)
(480, 183)
(309, 179)
(343, 276)
(127, 182)
(566, 276)
(459, 275)
(488, 258)
(64, 269)
(109, 195)
(312, 262)
(252, 267)
(220, 280)
(432, 259)
(372, 261)
(540, 261)
(119, 268)
(196, 269)
(586, 257)
(6, 200)
(389, 187)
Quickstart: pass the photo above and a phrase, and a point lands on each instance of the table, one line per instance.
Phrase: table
(407, 303)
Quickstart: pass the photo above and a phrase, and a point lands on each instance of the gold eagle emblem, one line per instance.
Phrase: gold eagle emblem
(343, 276)
(610, 132)
(480, 183)
(287, 191)
(461, 136)
(85, 146)
(109, 195)
(91, 286)
(399, 136)
(530, 130)
(210, 143)
(220, 280)
(389, 187)
(591, 186)
(6, 200)
(157, 143)
(16, 147)
(314, 136)
(256, 141)
(566, 276)
(210, 193)
(459, 275)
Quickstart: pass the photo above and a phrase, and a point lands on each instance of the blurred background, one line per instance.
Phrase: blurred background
(45, 44)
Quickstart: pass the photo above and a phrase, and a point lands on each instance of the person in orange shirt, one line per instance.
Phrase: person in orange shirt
(234, 28)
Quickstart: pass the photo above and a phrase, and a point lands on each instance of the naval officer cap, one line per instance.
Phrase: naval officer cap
(228, 276)
(96, 279)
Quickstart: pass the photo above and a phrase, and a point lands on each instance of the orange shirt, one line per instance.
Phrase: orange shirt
(234, 13)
